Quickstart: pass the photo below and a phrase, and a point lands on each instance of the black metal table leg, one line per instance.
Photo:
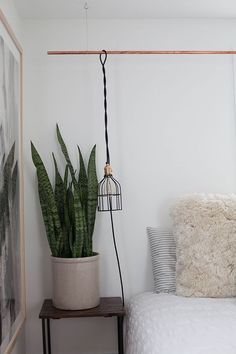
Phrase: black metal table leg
(44, 336)
(49, 336)
(120, 334)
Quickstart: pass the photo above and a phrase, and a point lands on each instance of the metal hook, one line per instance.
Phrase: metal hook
(100, 57)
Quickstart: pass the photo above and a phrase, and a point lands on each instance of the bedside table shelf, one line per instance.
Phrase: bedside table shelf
(108, 307)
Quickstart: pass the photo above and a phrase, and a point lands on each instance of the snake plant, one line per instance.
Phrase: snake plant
(69, 207)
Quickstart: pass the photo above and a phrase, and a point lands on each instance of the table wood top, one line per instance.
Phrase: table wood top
(108, 307)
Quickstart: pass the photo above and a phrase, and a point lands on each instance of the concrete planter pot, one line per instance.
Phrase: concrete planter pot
(75, 282)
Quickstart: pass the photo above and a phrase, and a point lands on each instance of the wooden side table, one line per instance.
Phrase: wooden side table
(109, 307)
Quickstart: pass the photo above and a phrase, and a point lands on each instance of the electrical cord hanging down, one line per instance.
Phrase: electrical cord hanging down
(109, 187)
(103, 62)
(117, 257)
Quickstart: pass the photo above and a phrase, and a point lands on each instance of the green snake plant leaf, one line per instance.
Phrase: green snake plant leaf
(83, 182)
(65, 249)
(81, 237)
(66, 177)
(65, 199)
(67, 223)
(78, 234)
(67, 157)
(59, 191)
(71, 215)
(48, 222)
(60, 196)
(48, 204)
(92, 193)
(80, 222)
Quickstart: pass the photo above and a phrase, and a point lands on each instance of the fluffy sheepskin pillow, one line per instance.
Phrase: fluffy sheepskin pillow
(204, 228)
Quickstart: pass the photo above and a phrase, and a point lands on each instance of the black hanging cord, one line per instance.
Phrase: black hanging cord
(103, 61)
(117, 257)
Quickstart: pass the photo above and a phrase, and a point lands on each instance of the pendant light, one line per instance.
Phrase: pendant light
(109, 189)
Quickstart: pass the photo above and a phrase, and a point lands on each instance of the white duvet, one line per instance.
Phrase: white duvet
(168, 324)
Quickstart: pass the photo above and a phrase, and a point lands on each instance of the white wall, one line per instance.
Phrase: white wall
(9, 10)
(172, 131)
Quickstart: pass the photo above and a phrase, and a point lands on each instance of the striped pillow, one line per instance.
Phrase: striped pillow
(163, 255)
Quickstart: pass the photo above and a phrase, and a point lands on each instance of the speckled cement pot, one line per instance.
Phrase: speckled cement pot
(75, 282)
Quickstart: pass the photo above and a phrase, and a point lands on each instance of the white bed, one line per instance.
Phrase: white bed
(168, 324)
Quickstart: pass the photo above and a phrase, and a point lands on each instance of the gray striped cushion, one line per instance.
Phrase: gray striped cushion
(163, 255)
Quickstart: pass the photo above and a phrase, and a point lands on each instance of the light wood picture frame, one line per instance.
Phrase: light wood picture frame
(12, 269)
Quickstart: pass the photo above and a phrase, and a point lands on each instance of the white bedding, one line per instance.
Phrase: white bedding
(168, 324)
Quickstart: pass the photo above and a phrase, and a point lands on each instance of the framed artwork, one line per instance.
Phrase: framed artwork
(12, 280)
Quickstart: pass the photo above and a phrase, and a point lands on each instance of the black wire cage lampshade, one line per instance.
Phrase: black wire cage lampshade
(109, 189)
(109, 192)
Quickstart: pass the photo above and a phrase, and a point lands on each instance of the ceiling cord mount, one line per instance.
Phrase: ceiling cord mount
(86, 7)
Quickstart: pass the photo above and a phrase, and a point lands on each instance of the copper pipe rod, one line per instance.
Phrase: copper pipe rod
(150, 52)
